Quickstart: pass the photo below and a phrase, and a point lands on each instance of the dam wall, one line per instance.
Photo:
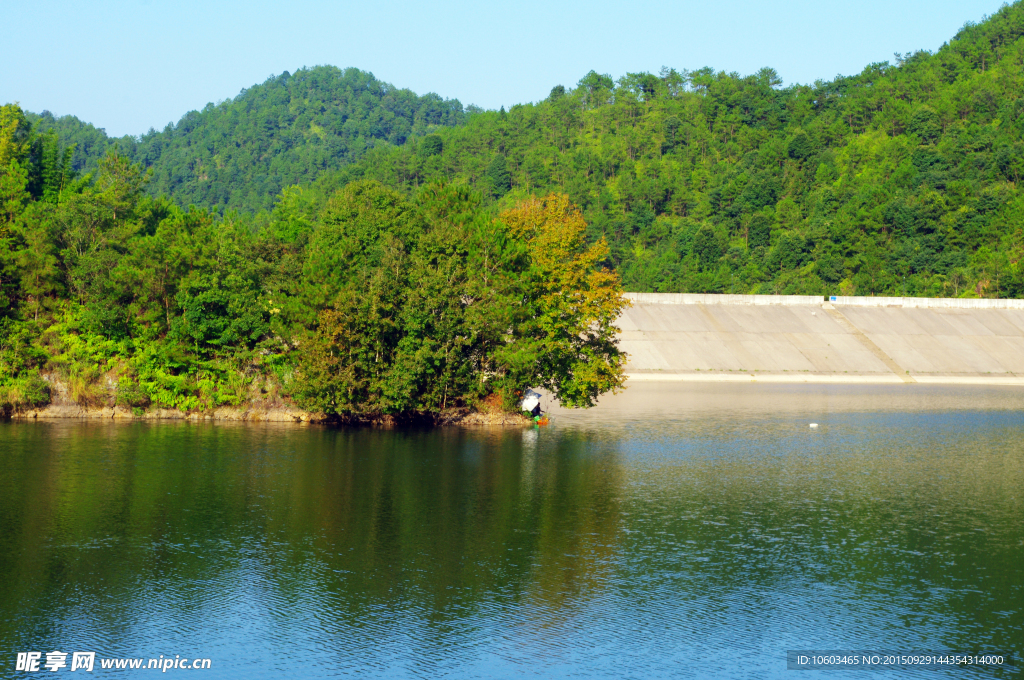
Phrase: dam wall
(783, 338)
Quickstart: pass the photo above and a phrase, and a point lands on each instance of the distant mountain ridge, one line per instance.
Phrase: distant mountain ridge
(904, 179)
(242, 152)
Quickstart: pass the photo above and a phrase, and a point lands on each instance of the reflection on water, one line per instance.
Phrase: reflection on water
(705, 542)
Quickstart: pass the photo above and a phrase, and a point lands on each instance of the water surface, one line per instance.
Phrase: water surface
(687, 531)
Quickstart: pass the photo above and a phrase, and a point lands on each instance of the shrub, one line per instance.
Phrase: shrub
(130, 394)
(27, 391)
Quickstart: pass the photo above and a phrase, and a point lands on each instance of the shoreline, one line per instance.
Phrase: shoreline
(670, 388)
(269, 414)
(63, 407)
(667, 406)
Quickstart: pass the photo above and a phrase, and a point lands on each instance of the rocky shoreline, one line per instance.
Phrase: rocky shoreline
(269, 413)
(261, 410)
(77, 411)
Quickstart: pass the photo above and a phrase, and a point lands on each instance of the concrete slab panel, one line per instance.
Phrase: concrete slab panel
(898, 322)
(967, 357)
(639, 318)
(995, 320)
(823, 360)
(644, 320)
(685, 355)
(921, 342)
(1008, 352)
(696, 350)
(774, 352)
(902, 350)
(686, 318)
(643, 355)
(929, 321)
(964, 322)
(756, 319)
(870, 321)
(1015, 317)
(846, 343)
(807, 340)
(627, 322)
(719, 318)
(815, 321)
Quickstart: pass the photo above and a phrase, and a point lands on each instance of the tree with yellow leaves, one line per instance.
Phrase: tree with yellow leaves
(566, 340)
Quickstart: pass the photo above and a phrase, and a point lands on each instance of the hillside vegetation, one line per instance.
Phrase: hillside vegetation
(903, 179)
(418, 257)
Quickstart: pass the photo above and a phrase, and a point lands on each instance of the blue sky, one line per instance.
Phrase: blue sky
(129, 65)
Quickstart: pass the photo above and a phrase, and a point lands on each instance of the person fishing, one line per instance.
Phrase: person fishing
(531, 404)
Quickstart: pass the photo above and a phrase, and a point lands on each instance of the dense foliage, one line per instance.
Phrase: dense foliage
(903, 179)
(360, 302)
(242, 152)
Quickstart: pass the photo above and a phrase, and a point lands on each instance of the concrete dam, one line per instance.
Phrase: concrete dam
(788, 338)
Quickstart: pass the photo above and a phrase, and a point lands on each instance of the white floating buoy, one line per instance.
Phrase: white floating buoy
(814, 424)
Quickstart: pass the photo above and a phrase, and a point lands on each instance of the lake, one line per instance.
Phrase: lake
(675, 531)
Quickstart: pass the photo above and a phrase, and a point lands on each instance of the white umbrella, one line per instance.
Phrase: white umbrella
(530, 400)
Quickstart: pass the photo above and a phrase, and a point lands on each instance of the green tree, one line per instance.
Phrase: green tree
(499, 176)
(432, 145)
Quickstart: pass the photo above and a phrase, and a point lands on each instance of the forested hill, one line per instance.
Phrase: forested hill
(242, 152)
(904, 179)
